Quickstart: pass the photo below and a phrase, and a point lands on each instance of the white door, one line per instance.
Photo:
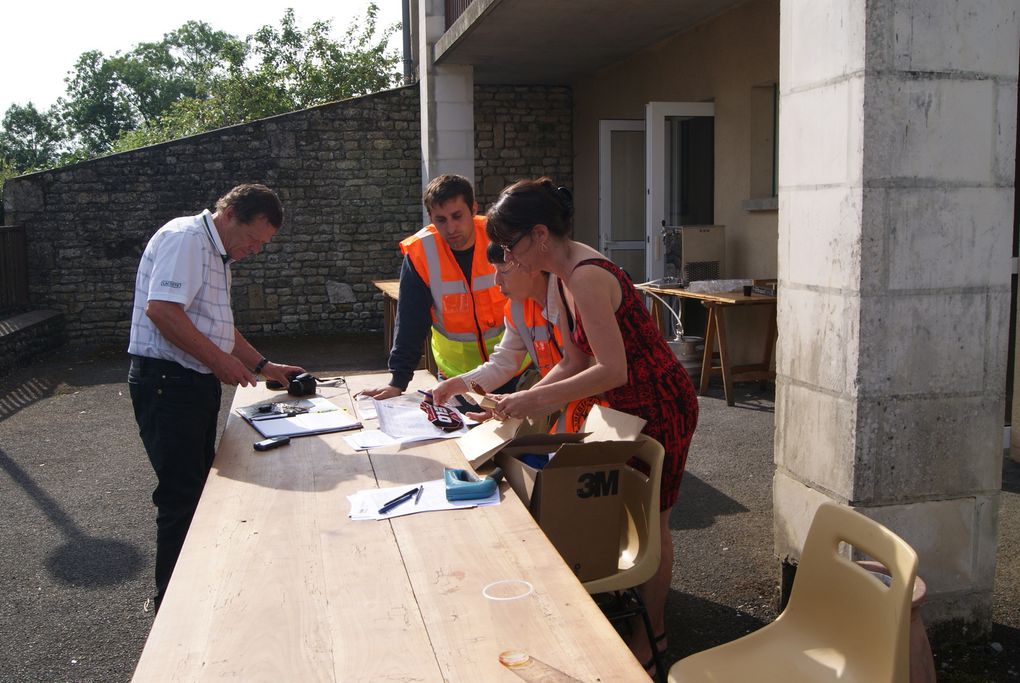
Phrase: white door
(679, 173)
(622, 236)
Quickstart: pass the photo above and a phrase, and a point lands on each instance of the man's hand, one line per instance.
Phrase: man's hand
(281, 373)
(232, 371)
(380, 393)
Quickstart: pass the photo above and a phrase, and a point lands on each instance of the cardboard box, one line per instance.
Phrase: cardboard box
(577, 498)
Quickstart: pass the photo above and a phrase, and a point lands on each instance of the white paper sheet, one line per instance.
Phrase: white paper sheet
(365, 405)
(370, 438)
(401, 418)
(365, 504)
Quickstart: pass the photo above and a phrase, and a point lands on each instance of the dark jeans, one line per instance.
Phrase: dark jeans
(176, 410)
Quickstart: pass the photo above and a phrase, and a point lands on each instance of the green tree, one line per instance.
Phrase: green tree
(197, 79)
(108, 97)
(286, 69)
(29, 139)
(185, 64)
(309, 68)
(98, 106)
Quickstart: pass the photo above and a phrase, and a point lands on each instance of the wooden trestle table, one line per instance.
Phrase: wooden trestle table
(391, 295)
(276, 583)
(715, 334)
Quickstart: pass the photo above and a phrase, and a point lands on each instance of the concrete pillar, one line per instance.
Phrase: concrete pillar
(896, 170)
(1014, 430)
(447, 103)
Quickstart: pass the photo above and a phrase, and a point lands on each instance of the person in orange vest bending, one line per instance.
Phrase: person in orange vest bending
(531, 333)
(448, 285)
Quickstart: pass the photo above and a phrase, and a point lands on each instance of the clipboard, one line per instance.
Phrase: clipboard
(304, 417)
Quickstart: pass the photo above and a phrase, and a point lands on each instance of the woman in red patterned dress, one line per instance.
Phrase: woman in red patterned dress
(614, 349)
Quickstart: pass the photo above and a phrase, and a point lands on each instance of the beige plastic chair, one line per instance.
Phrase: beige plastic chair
(841, 624)
(639, 543)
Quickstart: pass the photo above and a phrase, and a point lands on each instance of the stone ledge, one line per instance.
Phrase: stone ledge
(25, 335)
(765, 204)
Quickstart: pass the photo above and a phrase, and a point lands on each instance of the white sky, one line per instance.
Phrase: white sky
(43, 39)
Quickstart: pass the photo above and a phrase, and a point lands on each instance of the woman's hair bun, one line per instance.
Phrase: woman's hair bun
(566, 199)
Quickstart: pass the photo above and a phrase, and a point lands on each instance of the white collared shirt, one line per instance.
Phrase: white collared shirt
(184, 263)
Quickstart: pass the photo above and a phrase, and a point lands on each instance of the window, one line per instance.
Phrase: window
(764, 152)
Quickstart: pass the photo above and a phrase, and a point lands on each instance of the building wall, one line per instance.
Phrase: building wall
(349, 175)
(521, 132)
(723, 61)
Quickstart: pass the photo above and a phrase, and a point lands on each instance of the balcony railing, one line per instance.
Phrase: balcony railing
(454, 8)
(13, 268)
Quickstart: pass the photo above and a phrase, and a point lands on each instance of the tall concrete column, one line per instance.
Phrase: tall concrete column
(897, 138)
(447, 103)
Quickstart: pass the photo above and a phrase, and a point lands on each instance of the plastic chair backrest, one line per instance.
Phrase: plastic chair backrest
(846, 606)
(639, 537)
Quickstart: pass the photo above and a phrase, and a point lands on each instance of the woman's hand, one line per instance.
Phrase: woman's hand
(498, 412)
(442, 392)
(520, 404)
(480, 417)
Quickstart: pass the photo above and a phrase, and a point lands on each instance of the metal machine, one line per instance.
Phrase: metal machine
(693, 252)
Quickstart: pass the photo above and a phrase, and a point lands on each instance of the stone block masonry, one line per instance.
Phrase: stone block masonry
(27, 334)
(349, 175)
(521, 132)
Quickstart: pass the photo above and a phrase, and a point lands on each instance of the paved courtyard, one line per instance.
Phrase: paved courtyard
(76, 537)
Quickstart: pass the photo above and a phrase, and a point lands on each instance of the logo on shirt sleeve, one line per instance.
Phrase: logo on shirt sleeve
(170, 283)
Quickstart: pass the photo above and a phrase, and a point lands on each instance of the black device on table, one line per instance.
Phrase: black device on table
(270, 443)
(300, 384)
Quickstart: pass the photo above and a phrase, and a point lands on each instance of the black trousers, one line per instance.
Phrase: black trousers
(176, 410)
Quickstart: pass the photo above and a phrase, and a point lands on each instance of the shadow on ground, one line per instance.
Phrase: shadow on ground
(81, 559)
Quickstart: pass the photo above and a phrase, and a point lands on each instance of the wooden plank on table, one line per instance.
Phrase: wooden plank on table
(451, 556)
(450, 564)
(276, 583)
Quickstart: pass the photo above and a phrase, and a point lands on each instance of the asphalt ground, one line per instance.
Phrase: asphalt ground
(77, 524)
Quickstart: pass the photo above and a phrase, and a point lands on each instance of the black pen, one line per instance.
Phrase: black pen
(276, 416)
(402, 498)
(417, 496)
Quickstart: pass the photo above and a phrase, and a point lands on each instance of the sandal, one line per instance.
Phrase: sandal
(660, 650)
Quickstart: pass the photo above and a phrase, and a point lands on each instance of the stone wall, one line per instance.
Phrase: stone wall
(349, 174)
(26, 335)
(521, 132)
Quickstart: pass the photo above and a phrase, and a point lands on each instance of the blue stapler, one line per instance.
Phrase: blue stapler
(464, 485)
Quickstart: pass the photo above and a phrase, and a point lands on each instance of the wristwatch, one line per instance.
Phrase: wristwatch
(261, 364)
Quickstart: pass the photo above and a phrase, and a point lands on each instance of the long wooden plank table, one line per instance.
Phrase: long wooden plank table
(276, 583)
(715, 335)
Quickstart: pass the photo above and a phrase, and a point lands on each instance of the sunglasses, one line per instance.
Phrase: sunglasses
(506, 267)
(509, 246)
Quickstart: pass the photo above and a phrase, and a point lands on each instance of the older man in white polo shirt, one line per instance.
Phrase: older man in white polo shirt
(184, 344)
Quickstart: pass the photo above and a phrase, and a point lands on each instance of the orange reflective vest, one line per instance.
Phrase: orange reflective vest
(467, 317)
(541, 338)
(544, 343)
